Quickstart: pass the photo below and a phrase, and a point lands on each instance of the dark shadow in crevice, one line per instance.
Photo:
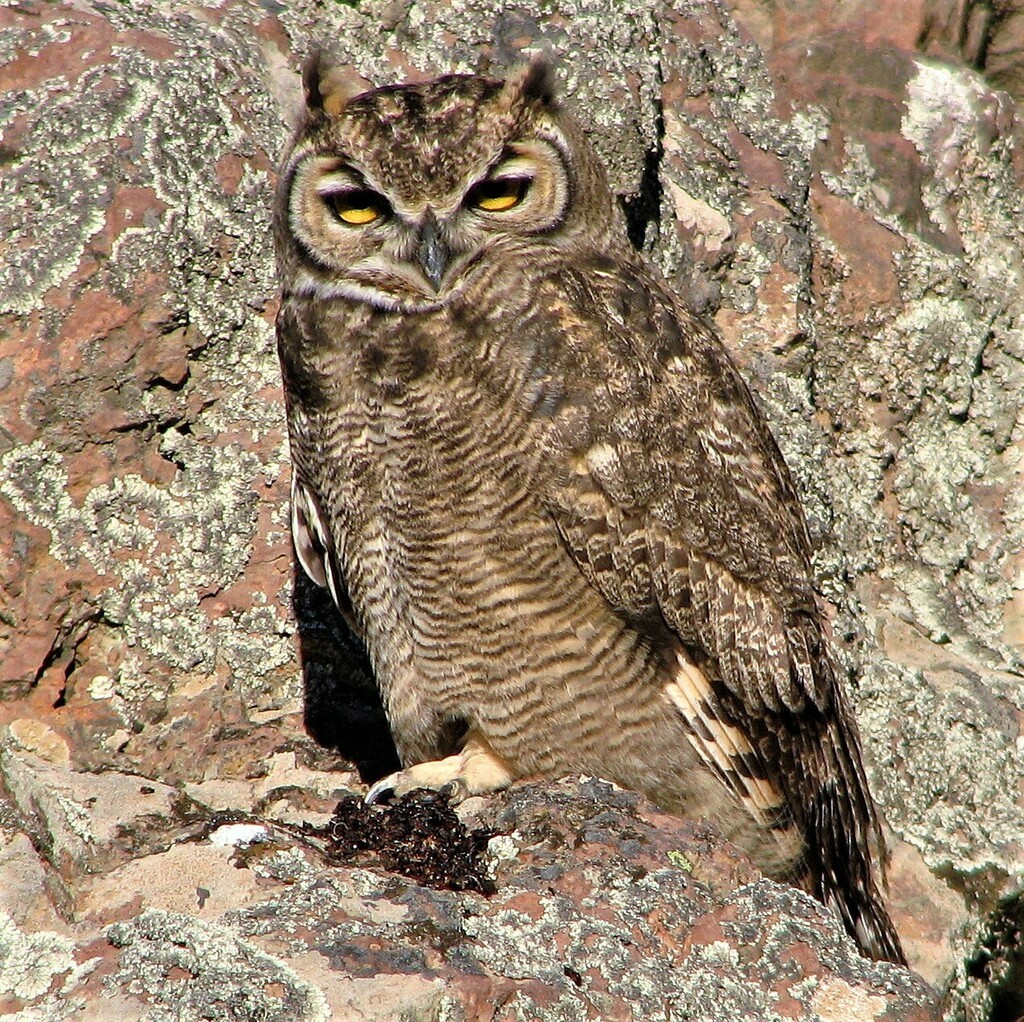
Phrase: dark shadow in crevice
(643, 209)
(343, 709)
(999, 961)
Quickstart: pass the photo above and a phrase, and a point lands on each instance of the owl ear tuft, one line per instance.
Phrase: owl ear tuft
(534, 82)
(329, 88)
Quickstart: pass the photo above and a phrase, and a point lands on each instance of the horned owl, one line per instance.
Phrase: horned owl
(539, 490)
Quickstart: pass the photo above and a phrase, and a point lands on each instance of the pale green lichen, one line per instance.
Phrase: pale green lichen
(929, 398)
(503, 848)
(565, 1008)
(957, 764)
(159, 127)
(680, 861)
(131, 688)
(220, 975)
(160, 547)
(942, 108)
(31, 962)
(581, 939)
(712, 984)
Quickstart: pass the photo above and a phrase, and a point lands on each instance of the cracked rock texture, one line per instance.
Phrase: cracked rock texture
(605, 909)
(838, 187)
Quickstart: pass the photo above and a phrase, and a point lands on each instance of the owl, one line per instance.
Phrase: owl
(539, 490)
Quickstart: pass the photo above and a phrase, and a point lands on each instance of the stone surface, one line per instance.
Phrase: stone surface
(604, 908)
(983, 35)
(849, 212)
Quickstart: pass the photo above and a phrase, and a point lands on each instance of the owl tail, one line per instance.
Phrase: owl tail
(840, 873)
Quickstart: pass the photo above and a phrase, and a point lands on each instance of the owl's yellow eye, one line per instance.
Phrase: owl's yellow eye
(359, 215)
(358, 207)
(499, 195)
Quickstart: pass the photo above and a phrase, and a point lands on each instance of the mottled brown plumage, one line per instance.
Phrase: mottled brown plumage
(539, 489)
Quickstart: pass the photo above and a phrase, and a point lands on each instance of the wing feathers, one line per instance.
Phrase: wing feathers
(688, 464)
(315, 548)
(309, 534)
(720, 744)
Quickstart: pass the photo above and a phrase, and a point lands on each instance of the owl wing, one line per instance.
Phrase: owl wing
(314, 548)
(672, 496)
(674, 500)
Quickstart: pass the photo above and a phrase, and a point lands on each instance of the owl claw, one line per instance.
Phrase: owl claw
(455, 791)
(476, 770)
(385, 786)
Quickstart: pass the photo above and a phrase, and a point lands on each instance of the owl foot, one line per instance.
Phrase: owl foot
(476, 770)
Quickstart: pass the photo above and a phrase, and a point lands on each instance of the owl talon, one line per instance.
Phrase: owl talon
(397, 784)
(476, 770)
(385, 786)
(455, 791)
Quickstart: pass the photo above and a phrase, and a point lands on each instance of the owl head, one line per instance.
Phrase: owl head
(397, 196)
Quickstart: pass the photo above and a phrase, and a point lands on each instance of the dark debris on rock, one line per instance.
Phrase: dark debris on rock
(418, 835)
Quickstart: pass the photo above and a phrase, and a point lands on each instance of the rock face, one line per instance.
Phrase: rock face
(849, 213)
(604, 909)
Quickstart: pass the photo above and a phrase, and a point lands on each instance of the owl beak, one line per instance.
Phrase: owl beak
(432, 253)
